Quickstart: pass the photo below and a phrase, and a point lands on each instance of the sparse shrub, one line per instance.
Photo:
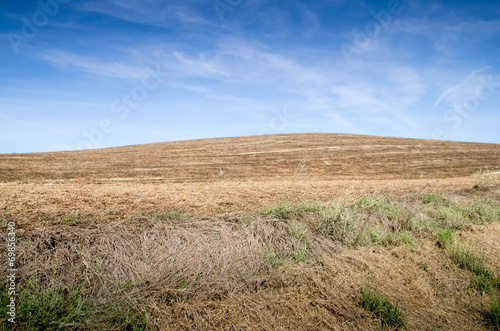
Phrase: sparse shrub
(390, 314)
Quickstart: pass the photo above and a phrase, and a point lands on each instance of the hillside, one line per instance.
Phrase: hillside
(324, 156)
(281, 232)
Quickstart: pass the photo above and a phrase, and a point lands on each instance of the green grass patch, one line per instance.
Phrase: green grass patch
(379, 305)
(492, 313)
(445, 238)
(310, 207)
(471, 259)
(336, 223)
(42, 306)
(436, 199)
(281, 210)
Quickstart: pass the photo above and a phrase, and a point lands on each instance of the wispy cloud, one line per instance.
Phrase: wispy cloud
(66, 60)
(263, 56)
(151, 12)
(451, 94)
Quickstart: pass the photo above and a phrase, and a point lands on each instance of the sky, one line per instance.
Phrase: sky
(90, 74)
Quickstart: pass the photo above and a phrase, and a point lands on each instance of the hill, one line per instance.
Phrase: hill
(281, 232)
(325, 156)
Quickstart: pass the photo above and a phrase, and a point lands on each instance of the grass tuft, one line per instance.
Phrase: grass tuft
(445, 238)
(390, 314)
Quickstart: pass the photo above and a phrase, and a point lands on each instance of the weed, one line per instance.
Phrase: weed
(435, 199)
(388, 238)
(124, 315)
(52, 306)
(482, 282)
(248, 221)
(381, 205)
(448, 215)
(428, 198)
(389, 314)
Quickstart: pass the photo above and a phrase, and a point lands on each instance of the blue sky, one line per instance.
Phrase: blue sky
(90, 74)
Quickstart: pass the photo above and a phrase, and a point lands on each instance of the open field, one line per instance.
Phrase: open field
(282, 232)
(325, 156)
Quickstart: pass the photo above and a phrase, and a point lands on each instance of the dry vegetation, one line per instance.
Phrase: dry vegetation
(285, 232)
(325, 156)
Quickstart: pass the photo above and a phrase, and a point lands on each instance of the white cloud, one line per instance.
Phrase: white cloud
(457, 91)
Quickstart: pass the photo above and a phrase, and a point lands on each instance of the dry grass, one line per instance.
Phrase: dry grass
(325, 156)
(275, 272)
(285, 239)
